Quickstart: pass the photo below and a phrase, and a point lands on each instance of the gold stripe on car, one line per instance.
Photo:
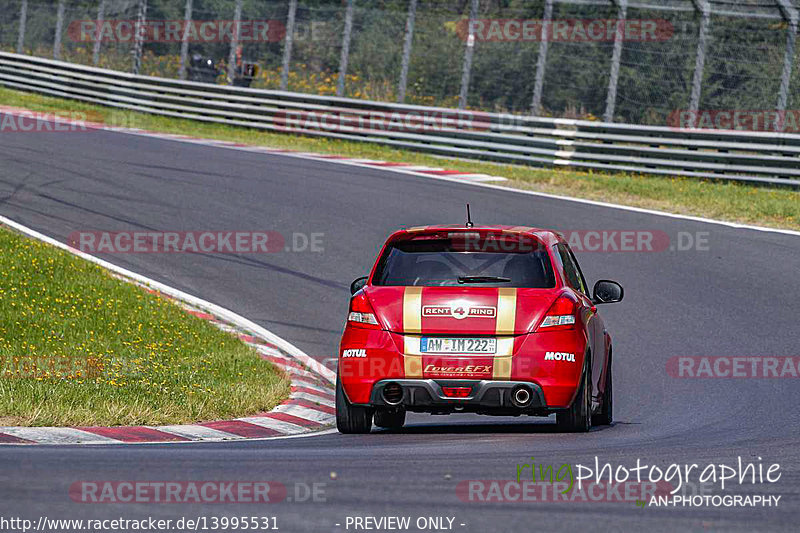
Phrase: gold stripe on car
(412, 310)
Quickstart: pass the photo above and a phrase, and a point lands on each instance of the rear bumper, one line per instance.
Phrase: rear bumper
(485, 397)
(383, 357)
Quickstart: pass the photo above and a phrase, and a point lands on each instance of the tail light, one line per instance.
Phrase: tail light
(361, 314)
(561, 314)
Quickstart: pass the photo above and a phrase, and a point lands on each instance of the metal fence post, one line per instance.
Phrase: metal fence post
(541, 61)
(187, 20)
(348, 30)
(59, 30)
(138, 43)
(790, 14)
(101, 15)
(23, 18)
(287, 44)
(469, 51)
(700, 59)
(407, 43)
(616, 56)
(237, 22)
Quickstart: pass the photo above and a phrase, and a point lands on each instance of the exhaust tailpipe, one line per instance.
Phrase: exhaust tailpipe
(521, 396)
(392, 394)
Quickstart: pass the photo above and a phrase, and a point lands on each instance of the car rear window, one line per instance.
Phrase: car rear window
(444, 262)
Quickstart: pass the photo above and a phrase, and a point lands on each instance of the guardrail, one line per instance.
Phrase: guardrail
(756, 157)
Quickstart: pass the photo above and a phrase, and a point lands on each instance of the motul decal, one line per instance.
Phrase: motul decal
(559, 356)
(355, 352)
(459, 312)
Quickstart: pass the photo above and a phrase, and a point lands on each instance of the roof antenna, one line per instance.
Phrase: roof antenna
(469, 218)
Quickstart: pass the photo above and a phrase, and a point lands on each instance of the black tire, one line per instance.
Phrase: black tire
(606, 415)
(390, 419)
(578, 418)
(351, 418)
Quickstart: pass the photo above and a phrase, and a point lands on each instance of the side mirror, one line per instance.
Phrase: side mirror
(358, 284)
(607, 292)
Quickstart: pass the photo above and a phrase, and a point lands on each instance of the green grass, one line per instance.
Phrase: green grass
(774, 207)
(80, 347)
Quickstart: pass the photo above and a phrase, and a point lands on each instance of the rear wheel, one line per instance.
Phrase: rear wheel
(390, 419)
(606, 414)
(578, 418)
(351, 418)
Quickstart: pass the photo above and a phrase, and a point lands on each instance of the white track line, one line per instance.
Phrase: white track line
(505, 188)
(479, 177)
(483, 183)
(403, 170)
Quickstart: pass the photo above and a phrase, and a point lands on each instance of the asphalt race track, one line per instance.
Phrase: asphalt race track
(738, 297)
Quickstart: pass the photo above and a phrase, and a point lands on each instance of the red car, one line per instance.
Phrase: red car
(494, 320)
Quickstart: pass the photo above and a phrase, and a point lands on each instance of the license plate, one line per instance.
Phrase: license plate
(458, 345)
